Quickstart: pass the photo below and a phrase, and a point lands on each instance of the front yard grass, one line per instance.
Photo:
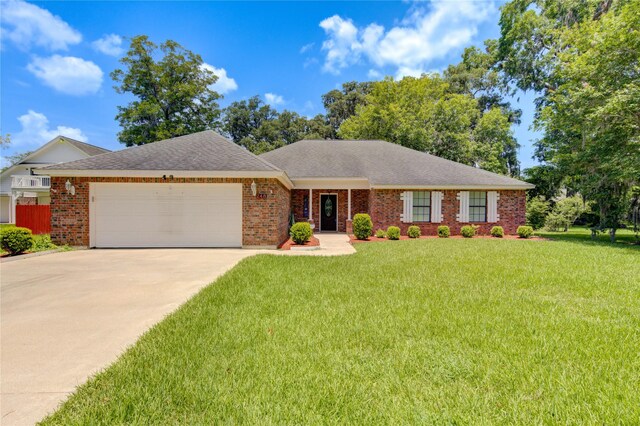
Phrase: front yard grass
(423, 331)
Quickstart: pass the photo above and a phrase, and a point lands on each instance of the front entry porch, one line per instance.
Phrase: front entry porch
(329, 209)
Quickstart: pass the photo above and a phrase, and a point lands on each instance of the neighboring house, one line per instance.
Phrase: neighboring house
(19, 185)
(202, 190)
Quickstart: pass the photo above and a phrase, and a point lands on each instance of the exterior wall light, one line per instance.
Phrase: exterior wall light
(69, 187)
(254, 188)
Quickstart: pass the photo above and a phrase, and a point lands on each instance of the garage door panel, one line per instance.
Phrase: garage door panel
(166, 215)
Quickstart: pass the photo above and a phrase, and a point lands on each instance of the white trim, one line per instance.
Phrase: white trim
(492, 206)
(522, 187)
(436, 206)
(333, 183)
(281, 176)
(320, 210)
(310, 204)
(463, 209)
(407, 207)
(92, 215)
(349, 204)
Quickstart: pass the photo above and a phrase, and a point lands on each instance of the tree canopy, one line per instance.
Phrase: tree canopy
(172, 90)
(583, 60)
(427, 115)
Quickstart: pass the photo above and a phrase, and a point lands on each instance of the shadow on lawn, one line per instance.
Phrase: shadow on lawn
(624, 240)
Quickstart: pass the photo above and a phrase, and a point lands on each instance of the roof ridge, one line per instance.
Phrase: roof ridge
(83, 143)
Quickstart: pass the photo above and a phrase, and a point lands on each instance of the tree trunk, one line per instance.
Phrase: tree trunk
(612, 235)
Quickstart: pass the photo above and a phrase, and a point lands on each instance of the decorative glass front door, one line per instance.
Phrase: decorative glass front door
(328, 212)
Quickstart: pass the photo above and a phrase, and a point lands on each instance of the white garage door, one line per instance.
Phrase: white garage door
(165, 215)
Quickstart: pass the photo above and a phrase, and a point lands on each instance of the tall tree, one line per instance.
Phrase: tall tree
(260, 128)
(426, 115)
(172, 89)
(583, 59)
(342, 104)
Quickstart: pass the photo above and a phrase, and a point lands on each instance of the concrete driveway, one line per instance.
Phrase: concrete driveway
(65, 316)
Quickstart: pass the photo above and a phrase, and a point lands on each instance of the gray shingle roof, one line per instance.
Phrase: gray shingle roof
(202, 151)
(87, 148)
(383, 163)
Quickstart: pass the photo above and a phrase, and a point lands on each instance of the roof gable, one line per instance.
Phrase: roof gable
(382, 163)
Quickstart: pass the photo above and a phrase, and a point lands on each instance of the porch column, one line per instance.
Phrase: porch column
(349, 204)
(310, 205)
(12, 208)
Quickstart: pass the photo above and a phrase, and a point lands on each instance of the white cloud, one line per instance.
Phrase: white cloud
(374, 74)
(67, 74)
(26, 25)
(306, 47)
(109, 44)
(426, 34)
(273, 99)
(35, 131)
(224, 84)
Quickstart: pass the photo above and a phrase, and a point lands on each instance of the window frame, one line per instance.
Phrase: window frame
(427, 206)
(486, 203)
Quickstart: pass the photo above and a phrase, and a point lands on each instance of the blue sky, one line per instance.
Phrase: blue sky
(57, 56)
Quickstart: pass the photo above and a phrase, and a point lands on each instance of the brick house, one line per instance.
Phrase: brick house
(202, 190)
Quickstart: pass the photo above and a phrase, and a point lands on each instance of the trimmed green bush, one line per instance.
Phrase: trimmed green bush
(414, 232)
(380, 233)
(301, 232)
(469, 231)
(362, 226)
(497, 232)
(393, 233)
(443, 231)
(16, 240)
(525, 231)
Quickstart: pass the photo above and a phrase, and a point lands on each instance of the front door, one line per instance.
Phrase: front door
(328, 212)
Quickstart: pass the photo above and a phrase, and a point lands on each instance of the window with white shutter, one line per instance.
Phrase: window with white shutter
(421, 207)
(436, 207)
(407, 207)
(477, 206)
(463, 212)
(492, 206)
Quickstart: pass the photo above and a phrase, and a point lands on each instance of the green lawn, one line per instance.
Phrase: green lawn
(583, 234)
(418, 331)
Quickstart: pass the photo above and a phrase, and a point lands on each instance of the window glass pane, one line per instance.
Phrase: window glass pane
(477, 206)
(421, 206)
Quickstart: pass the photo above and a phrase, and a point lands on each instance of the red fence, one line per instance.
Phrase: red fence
(36, 218)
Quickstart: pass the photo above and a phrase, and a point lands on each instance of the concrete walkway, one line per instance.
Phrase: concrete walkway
(65, 316)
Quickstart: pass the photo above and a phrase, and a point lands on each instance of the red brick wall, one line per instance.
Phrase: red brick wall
(359, 204)
(385, 209)
(265, 222)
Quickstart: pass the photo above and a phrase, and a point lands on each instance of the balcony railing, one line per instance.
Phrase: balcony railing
(30, 182)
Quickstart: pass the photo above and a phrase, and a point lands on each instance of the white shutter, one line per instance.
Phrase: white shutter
(407, 207)
(463, 214)
(492, 206)
(436, 207)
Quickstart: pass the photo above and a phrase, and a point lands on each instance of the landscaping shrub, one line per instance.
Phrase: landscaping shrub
(16, 240)
(301, 232)
(537, 210)
(380, 233)
(393, 233)
(497, 232)
(443, 231)
(525, 231)
(468, 231)
(556, 222)
(413, 232)
(43, 243)
(362, 226)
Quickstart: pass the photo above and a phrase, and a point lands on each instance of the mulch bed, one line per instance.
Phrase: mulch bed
(353, 239)
(313, 242)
